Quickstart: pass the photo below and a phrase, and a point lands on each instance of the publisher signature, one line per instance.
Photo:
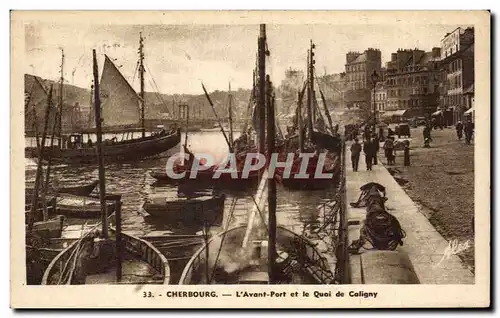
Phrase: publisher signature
(454, 247)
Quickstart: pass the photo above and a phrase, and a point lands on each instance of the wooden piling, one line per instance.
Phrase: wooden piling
(119, 246)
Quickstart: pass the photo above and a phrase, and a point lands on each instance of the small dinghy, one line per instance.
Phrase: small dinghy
(81, 207)
(206, 208)
(81, 189)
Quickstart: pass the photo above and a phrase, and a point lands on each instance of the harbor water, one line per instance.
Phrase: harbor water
(299, 211)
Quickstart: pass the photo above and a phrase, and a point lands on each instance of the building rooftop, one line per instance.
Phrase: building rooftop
(360, 59)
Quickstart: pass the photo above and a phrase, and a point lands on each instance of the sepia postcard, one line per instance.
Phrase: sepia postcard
(250, 159)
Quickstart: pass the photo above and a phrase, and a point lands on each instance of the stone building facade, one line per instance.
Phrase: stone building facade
(412, 83)
(457, 66)
(359, 87)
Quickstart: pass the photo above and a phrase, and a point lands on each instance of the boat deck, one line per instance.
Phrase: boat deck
(134, 271)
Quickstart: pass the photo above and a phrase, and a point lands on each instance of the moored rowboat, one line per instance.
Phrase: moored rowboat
(93, 261)
(81, 207)
(208, 208)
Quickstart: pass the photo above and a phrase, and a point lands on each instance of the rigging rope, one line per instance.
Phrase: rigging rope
(158, 90)
(233, 206)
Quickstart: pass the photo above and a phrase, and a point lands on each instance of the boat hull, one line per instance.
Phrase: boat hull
(135, 249)
(81, 207)
(81, 190)
(189, 211)
(206, 178)
(230, 241)
(128, 150)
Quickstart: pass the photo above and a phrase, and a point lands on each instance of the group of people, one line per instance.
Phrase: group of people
(468, 129)
(371, 147)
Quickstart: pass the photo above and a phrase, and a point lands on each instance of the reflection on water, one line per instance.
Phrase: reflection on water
(296, 210)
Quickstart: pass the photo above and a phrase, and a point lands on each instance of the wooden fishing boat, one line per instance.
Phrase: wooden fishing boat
(126, 150)
(298, 261)
(121, 107)
(81, 207)
(208, 177)
(107, 255)
(91, 261)
(269, 253)
(318, 140)
(331, 166)
(81, 190)
(208, 209)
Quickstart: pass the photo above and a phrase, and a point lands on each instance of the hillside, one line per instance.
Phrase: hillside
(156, 104)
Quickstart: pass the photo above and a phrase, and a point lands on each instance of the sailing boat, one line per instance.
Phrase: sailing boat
(313, 138)
(240, 147)
(262, 255)
(100, 258)
(122, 108)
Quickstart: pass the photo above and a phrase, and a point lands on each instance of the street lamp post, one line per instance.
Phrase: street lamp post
(375, 79)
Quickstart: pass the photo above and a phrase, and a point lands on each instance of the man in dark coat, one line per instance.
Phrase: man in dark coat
(355, 153)
(469, 130)
(459, 128)
(381, 134)
(407, 153)
(368, 150)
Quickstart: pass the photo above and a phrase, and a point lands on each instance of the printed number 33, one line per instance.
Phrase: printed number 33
(147, 294)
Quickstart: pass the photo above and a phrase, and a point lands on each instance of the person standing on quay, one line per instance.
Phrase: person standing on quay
(407, 153)
(389, 150)
(469, 130)
(459, 128)
(376, 148)
(355, 153)
(368, 150)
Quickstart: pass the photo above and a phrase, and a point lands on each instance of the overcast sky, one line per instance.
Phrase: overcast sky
(179, 57)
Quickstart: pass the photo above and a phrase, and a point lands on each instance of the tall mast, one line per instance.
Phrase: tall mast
(300, 123)
(38, 176)
(141, 76)
(309, 97)
(271, 189)
(311, 77)
(230, 110)
(91, 103)
(100, 157)
(261, 106)
(61, 85)
(49, 163)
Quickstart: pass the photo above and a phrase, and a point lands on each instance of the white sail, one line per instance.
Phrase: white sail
(120, 103)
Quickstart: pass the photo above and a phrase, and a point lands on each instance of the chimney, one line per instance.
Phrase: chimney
(394, 57)
(351, 57)
(436, 52)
